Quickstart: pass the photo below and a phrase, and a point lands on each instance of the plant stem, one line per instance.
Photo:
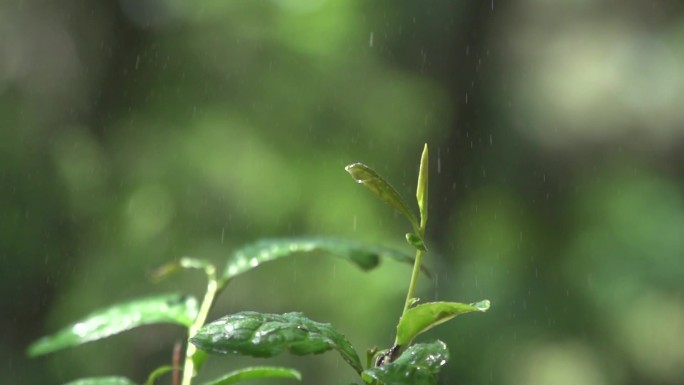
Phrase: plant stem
(414, 279)
(175, 375)
(414, 276)
(422, 198)
(213, 288)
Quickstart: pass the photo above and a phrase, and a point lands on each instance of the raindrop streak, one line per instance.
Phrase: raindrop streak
(370, 40)
(223, 233)
(354, 224)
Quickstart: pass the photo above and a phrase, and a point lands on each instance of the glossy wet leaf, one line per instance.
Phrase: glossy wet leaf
(424, 317)
(363, 255)
(174, 308)
(255, 373)
(102, 381)
(266, 335)
(382, 189)
(422, 190)
(418, 365)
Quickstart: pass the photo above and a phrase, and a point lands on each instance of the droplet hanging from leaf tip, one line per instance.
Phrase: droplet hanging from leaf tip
(482, 305)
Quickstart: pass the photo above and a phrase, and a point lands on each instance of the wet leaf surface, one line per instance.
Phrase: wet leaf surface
(363, 255)
(266, 335)
(174, 308)
(418, 365)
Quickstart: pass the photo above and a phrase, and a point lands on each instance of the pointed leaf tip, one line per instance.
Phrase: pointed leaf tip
(422, 189)
(482, 305)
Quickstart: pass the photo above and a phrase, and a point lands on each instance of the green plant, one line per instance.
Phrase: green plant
(266, 335)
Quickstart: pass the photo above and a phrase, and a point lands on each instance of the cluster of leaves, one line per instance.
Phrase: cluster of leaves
(267, 335)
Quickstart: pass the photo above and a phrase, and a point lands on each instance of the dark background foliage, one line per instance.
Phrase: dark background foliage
(136, 132)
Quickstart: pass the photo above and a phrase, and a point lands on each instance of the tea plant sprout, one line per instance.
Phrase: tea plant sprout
(266, 335)
(417, 319)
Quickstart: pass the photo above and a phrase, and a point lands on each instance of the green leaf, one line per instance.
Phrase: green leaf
(422, 190)
(102, 381)
(254, 373)
(424, 317)
(266, 335)
(174, 308)
(157, 373)
(382, 189)
(364, 255)
(418, 365)
(198, 359)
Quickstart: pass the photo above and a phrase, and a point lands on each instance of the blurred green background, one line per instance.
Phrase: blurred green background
(135, 132)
